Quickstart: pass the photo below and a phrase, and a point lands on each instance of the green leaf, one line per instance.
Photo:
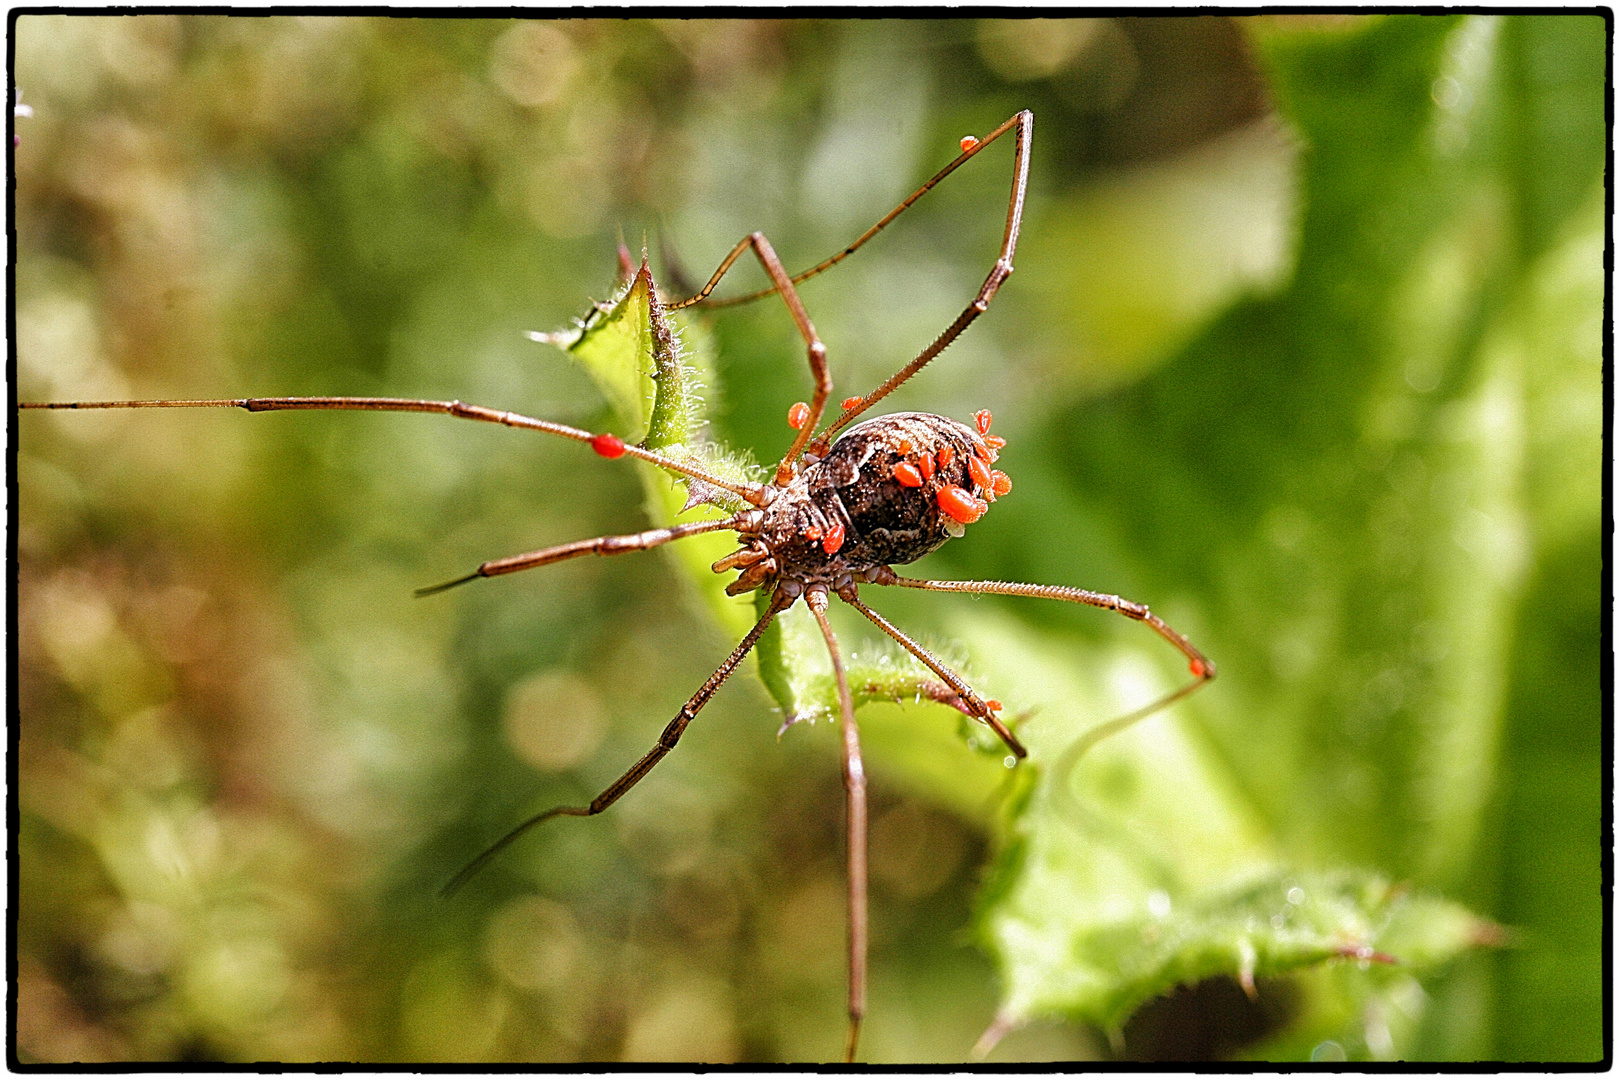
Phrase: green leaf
(1272, 926)
(613, 343)
(1347, 476)
(634, 352)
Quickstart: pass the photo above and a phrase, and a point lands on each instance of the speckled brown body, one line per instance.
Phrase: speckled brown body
(884, 522)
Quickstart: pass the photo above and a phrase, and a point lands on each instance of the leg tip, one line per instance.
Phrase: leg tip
(429, 590)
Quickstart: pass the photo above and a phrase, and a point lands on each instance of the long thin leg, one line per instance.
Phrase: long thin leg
(1024, 123)
(855, 795)
(702, 296)
(601, 545)
(972, 703)
(1202, 669)
(608, 446)
(666, 743)
(816, 351)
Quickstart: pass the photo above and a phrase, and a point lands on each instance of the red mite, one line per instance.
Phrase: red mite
(959, 504)
(834, 538)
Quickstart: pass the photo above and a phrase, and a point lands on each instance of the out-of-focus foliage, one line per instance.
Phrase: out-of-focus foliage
(1322, 387)
(1346, 466)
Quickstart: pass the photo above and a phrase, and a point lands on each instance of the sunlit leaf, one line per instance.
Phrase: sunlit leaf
(1271, 927)
(1351, 738)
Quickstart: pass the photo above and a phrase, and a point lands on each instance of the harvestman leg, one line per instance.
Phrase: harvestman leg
(606, 445)
(814, 349)
(601, 545)
(666, 742)
(975, 705)
(1024, 125)
(855, 794)
(1202, 669)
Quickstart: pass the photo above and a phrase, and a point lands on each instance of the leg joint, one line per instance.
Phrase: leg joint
(672, 733)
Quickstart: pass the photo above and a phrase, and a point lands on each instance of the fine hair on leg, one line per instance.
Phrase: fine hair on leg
(1198, 664)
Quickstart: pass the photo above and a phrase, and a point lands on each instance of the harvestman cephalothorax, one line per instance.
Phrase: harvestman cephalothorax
(844, 505)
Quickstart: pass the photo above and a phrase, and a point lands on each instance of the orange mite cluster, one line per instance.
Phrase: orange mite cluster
(958, 503)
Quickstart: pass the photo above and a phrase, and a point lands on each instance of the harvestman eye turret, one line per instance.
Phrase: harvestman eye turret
(840, 511)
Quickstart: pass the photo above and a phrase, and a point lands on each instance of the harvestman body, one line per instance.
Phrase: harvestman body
(838, 514)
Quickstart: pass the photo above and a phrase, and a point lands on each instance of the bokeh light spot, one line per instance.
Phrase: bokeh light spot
(554, 720)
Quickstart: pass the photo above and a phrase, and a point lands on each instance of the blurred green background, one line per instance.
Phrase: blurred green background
(1304, 350)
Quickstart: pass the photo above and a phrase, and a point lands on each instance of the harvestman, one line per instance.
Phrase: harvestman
(837, 514)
